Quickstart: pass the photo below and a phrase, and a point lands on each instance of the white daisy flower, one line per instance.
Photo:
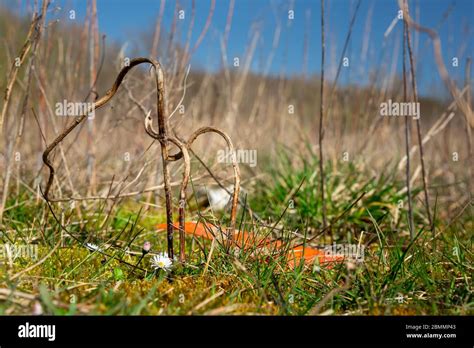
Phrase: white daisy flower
(93, 247)
(162, 261)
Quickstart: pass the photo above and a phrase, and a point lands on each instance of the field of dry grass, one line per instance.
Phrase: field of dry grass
(109, 188)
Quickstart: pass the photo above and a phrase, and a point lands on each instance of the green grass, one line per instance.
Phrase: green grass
(431, 275)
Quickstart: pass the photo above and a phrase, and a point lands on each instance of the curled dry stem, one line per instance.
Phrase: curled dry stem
(235, 165)
(235, 196)
(97, 105)
(164, 138)
(184, 183)
(163, 128)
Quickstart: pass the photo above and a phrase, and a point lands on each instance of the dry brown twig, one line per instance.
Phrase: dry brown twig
(407, 38)
(463, 104)
(443, 72)
(206, 26)
(31, 44)
(156, 36)
(31, 37)
(407, 134)
(321, 115)
(164, 137)
(437, 127)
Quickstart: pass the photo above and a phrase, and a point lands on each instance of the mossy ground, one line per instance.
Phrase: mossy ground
(431, 275)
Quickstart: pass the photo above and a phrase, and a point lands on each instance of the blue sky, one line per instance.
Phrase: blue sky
(127, 20)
